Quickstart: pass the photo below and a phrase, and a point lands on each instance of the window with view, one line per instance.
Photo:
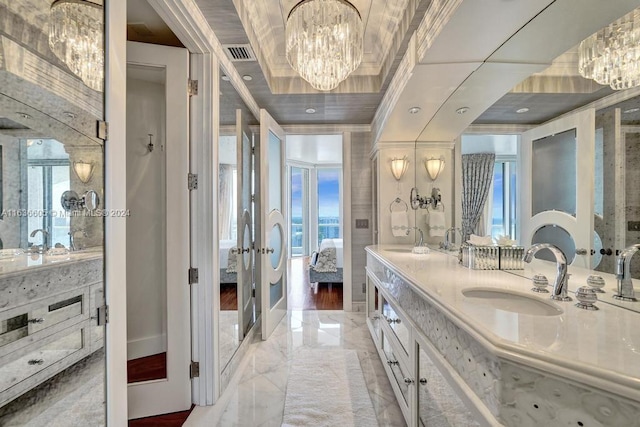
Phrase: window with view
(328, 204)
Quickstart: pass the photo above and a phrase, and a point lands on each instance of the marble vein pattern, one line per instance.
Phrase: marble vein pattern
(257, 396)
(515, 394)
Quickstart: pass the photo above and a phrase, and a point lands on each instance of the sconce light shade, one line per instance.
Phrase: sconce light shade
(84, 170)
(434, 167)
(399, 167)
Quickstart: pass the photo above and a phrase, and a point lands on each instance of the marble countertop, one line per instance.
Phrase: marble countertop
(600, 348)
(18, 264)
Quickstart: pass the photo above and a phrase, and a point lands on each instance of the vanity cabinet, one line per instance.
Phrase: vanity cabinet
(425, 395)
(50, 331)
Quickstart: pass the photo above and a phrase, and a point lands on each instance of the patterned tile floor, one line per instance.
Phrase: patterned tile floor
(257, 397)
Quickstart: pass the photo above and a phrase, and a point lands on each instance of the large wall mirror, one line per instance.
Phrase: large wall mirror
(236, 222)
(51, 221)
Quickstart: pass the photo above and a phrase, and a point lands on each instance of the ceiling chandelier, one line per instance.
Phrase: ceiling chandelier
(324, 41)
(612, 55)
(76, 38)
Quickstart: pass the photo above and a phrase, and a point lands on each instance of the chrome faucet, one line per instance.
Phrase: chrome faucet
(623, 274)
(447, 242)
(560, 286)
(45, 236)
(421, 242)
(72, 238)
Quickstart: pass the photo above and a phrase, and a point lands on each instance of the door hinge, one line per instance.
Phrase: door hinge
(253, 150)
(103, 315)
(194, 369)
(192, 87)
(253, 292)
(253, 197)
(193, 275)
(102, 130)
(192, 181)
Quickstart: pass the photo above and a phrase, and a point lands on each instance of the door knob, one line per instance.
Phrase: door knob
(607, 251)
(581, 251)
(423, 381)
(36, 362)
(270, 250)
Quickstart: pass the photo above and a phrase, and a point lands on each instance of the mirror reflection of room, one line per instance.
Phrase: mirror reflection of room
(314, 164)
(52, 361)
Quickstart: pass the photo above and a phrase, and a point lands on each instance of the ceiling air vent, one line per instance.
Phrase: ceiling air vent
(239, 52)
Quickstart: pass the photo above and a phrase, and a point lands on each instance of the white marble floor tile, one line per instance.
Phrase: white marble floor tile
(258, 398)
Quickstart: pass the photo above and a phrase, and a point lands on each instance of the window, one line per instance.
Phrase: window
(328, 203)
(299, 208)
(503, 209)
(47, 177)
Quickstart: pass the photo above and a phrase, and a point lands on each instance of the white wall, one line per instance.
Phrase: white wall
(416, 175)
(146, 259)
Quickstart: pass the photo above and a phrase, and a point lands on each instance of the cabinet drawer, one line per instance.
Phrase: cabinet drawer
(398, 369)
(57, 311)
(397, 325)
(65, 345)
(96, 333)
(14, 328)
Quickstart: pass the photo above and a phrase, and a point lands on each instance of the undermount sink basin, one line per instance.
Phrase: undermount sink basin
(512, 301)
(402, 250)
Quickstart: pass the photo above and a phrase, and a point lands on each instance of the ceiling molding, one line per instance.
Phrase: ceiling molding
(607, 101)
(395, 89)
(324, 129)
(434, 21)
(386, 24)
(186, 20)
(505, 129)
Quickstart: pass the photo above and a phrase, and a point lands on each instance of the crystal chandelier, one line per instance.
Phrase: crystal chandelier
(324, 41)
(76, 38)
(612, 55)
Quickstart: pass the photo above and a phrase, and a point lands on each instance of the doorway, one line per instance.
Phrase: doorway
(315, 194)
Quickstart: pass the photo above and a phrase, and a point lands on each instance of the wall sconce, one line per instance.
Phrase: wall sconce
(434, 167)
(399, 167)
(83, 170)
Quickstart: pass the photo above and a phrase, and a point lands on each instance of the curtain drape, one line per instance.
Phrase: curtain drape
(225, 187)
(477, 175)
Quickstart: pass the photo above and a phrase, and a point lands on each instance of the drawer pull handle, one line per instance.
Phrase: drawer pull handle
(392, 362)
(423, 381)
(408, 380)
(36, 362)
(37, 320)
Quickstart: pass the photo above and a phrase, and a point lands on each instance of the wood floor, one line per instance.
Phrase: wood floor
(175, 419)
(302, 294)
(147, 368)
(306, 296)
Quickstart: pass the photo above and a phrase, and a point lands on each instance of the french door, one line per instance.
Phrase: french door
(272, 237)
(245, 224)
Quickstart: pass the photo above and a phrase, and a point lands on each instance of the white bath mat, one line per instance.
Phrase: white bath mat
(327, 388)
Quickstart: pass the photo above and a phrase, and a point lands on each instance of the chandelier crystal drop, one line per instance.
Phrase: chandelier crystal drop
(76, 38)
(612, 55)
(324, 41)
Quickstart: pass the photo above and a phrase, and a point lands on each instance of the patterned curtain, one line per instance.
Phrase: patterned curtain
(477, 175)
(225, 186)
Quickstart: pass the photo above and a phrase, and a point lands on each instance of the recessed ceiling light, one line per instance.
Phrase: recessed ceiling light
(247, 77)
(23, 115)
(414, 110)
(310, 110)
(631, 110)
(462, 110)
(522, 110)
(226, 78)
(69, 114)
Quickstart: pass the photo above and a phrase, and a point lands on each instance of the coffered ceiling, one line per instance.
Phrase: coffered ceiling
(276, 87)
